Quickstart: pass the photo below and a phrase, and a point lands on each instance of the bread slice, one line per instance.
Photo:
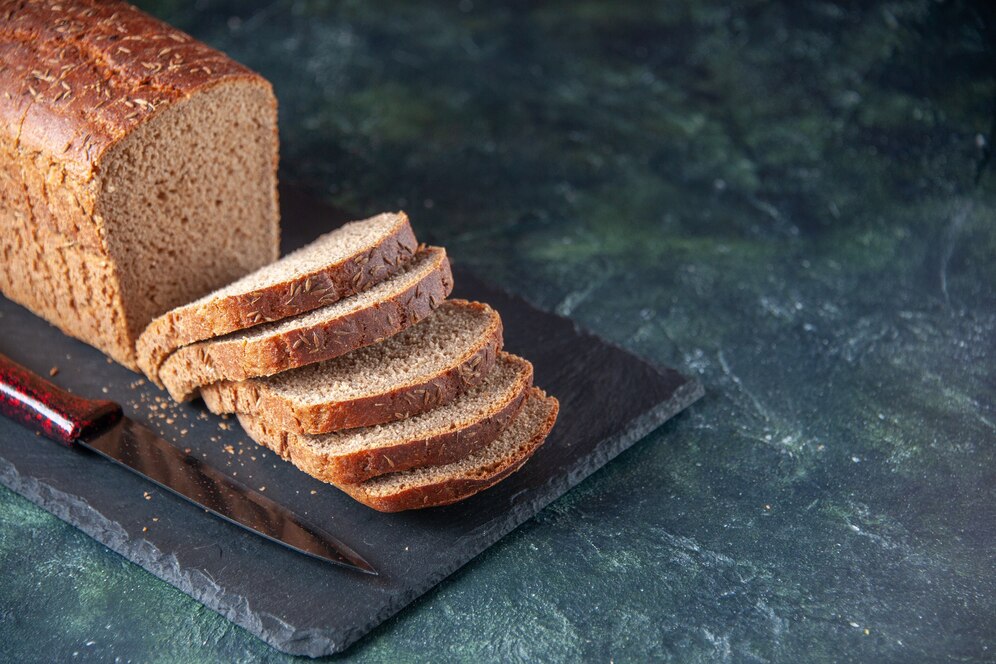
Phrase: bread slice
(421, 368)
(440, 436)
(333, 330)
(339, 264)
(138, 168)
(431, 486)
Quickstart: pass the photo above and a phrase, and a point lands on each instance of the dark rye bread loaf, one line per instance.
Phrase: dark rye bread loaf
(421, 368)
(440, 436)
(431, 486)
(330, 331)
(339, 264)
(137, 168)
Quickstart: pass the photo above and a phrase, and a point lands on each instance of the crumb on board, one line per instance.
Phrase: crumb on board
(53, 371)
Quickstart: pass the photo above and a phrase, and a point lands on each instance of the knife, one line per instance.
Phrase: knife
(100, 426)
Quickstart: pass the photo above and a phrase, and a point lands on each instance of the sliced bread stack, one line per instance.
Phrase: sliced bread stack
(346, 359)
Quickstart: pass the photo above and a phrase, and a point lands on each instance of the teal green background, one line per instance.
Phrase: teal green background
(793, 202)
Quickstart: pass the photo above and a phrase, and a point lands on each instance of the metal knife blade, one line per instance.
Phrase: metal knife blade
(138, 449)
(101, 427)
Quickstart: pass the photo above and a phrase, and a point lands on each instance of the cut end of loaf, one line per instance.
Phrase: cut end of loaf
(188, 199)
(150, 168)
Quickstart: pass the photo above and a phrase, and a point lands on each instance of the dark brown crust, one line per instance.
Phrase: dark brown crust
(303, 293)
(35, 258)
(207, 362)
(447, 492)
(360, 465)
(252, 397)
(80, 75)
(76, 78)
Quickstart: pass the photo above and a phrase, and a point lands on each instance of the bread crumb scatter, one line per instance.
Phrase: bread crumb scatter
(53, 371)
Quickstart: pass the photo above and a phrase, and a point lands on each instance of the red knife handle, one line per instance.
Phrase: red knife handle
(47, 408)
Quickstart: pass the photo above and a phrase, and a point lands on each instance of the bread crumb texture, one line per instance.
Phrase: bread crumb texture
(137, 168)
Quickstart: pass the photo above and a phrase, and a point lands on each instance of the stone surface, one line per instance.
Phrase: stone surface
(609, 400)
(793, 202)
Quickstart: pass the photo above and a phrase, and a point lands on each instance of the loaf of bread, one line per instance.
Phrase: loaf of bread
(137, 168)
(138, 186)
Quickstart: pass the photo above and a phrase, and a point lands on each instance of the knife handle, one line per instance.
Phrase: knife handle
(48, 409)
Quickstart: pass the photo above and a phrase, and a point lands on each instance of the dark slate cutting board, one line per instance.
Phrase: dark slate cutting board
(609, 399)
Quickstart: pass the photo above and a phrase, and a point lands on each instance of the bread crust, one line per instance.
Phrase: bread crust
(436, 449)
(237, 359)
(296, 295)
(77, 77)
(35, 257)
(255, 399)
(82, 74)
(446, 492)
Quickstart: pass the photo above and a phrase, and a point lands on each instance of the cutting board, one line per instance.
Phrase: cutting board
(609, 400)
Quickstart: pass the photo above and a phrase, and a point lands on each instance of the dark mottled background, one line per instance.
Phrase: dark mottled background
(792, 201)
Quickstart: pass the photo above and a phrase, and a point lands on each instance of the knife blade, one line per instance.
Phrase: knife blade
(100, 426)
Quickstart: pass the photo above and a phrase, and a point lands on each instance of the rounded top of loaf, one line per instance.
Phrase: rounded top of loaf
(76, 76)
